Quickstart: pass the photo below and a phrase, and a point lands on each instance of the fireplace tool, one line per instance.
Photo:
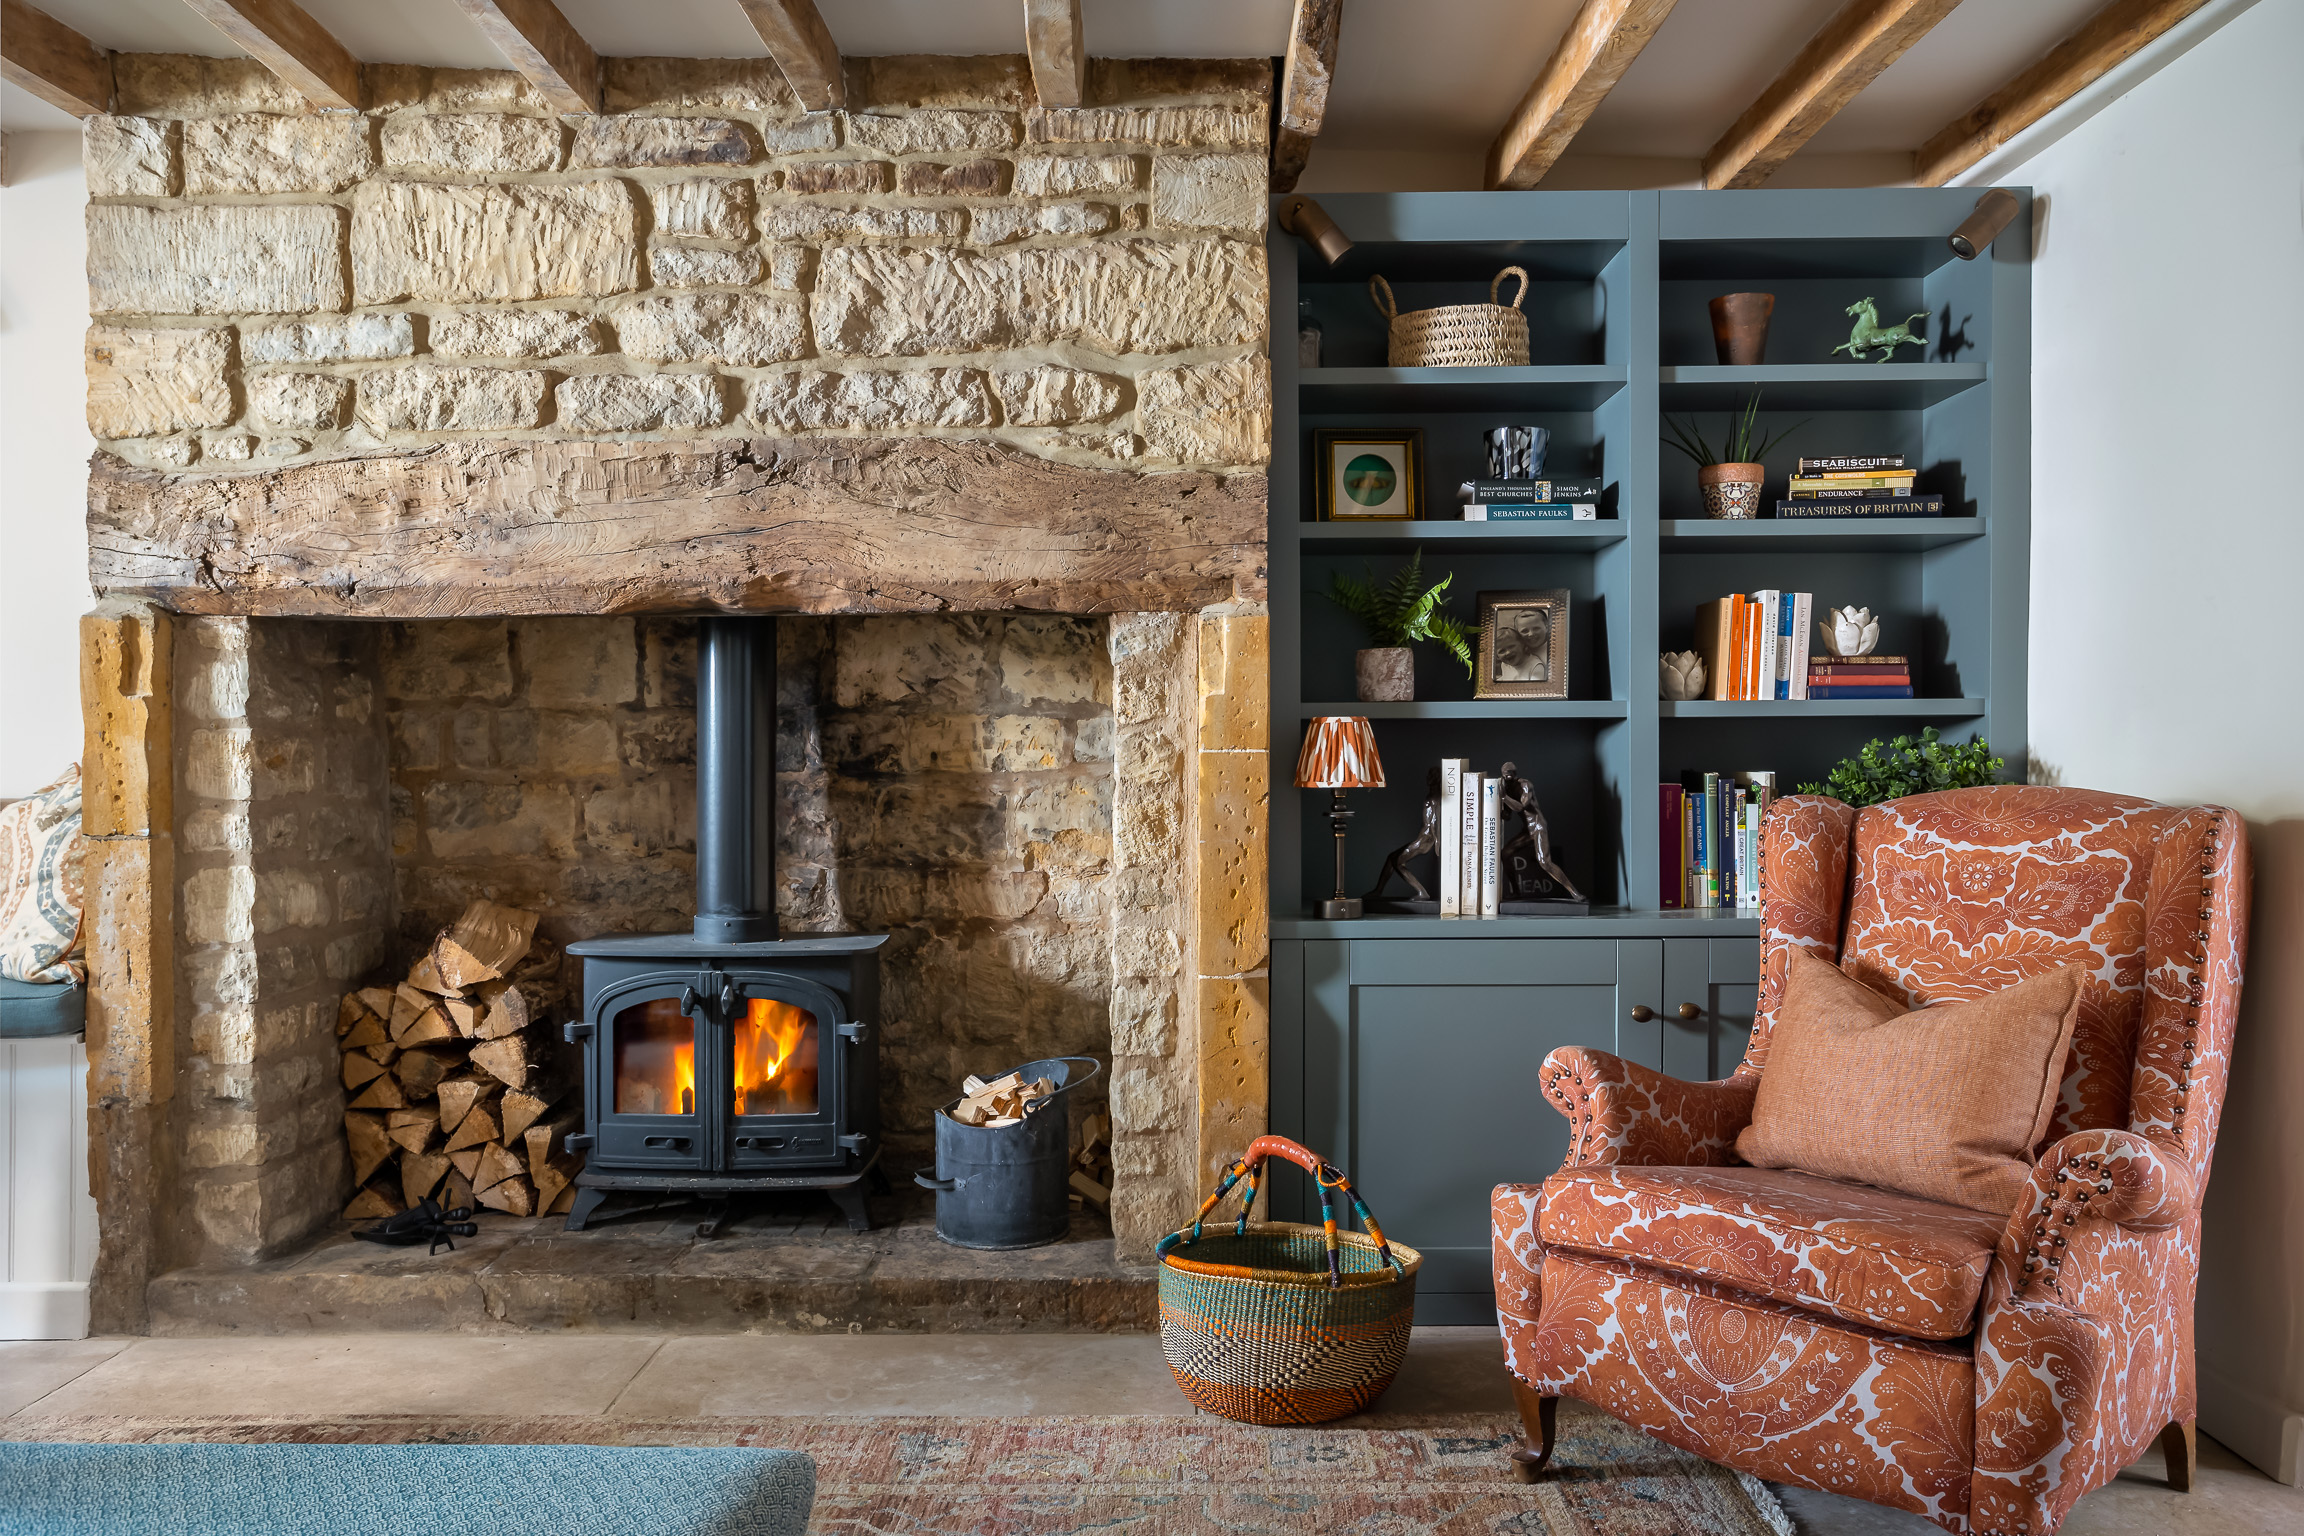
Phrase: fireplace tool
(423, 1222)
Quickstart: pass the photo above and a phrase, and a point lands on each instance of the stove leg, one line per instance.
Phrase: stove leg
(716, 1217)
(850, 1199)
(587, 1201)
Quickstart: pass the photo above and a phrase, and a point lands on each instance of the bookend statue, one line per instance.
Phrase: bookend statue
(1531, 884)
(1427, 840)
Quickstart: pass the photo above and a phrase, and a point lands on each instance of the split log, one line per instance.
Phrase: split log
(420, 1174)
(459, 1095)
(507, 1060)
(428, 1027)
(369, 1141)
(478, 1129)
(421, 1069)
(550, 1167)
(349, 1012)
(426, 977)
(515, 1196)
(414, 1129)
(466, 1162)
(366, 1030)
(381, 1052)
(461, 968)
(507, 1011)
(378, 1001)
(465, 1016)
(371, 1205)
(498, 937)
(384, 1093)
(523, 1109)
(455, 1192)
(496, 1165)
(361, 1069)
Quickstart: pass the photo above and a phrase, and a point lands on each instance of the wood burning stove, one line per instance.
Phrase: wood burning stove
(728, 1060)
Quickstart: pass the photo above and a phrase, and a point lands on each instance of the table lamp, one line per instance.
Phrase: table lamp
(1339, 754)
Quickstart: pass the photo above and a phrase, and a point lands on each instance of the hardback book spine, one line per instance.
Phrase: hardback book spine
(1804, 490)
(1701, 804)
(1754, 618)
(1820, 691)
(1688, 810)
(1491, 824)
(1731, 839)
(1848, 464)
(1803, 626)
(1714, 621)
(1555, 488)
(1771, 621)
(1468, 832)
(1784, 614)
(1533, 512)
(1871, 506)
(1451, 837)
(1738, 638)
(1670, 886)
(1712, 848)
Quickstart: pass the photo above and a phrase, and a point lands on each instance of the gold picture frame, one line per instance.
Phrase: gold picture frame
(1523, 645)
(1368, 475)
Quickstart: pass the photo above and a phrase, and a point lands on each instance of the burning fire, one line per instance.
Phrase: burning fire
(775, 1059)
(655, 1060)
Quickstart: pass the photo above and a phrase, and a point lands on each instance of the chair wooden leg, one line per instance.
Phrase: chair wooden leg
(2180, 1443)
(1540, 1416)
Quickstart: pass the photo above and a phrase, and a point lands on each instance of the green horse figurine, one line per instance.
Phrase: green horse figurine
(1870, 333)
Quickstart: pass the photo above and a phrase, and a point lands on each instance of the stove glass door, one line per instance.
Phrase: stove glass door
(655, 1059)
(785, 1060)
(777, 1055)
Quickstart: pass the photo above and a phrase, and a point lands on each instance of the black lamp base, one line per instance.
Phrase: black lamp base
(1339, 908)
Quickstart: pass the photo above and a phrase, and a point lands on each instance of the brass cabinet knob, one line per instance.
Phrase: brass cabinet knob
(1691, 1011)
(1642, 1013)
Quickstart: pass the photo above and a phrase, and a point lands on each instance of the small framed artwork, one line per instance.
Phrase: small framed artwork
(1374, 475)
(1523, 645)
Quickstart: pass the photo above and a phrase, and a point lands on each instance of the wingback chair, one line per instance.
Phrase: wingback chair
(1984, 1370)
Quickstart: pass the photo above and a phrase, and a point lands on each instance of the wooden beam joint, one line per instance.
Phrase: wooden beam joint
(282, 36)
(536, 39)
(1304, 81)
(803, 49)
(1059, 52)
(1591, 56)
(40, 54)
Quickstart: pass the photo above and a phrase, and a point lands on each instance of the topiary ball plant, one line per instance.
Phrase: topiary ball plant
(1894, 769)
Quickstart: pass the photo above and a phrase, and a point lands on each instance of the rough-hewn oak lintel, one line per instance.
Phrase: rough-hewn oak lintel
(759, 525)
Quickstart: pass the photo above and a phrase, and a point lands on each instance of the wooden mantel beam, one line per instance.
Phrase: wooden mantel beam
(52, 61)
(283, 37)
(1058, 51)
(1591, 56)
(1304, 79)
(537, 40)
(2103, 40)
(1847, 54)
(802, 47)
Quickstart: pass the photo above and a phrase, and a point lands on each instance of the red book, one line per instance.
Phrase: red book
(1670, 882)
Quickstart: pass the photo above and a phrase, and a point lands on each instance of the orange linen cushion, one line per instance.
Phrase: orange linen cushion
(1945, 1103)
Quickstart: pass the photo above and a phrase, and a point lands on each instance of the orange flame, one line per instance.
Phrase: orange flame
(775, 1058)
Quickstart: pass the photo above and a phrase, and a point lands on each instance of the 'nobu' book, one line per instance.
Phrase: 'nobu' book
(1875, 506)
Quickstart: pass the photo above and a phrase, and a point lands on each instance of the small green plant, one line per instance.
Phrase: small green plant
(1403, 610)
(1892, 770)
(1743, 445)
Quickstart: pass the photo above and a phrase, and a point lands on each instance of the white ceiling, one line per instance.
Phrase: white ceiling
(1411, 75)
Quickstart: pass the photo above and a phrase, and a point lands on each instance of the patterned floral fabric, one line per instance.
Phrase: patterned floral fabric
(40, 853)
(2083, 1350)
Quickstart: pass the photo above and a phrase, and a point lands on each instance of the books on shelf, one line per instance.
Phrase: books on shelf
(1471, 852)
(1855, 485)
(1452, 771)
(1756, 647)
(1530, 501)
(1850, 464)
(1860, 677)
(1708, 839)
(1861, 506)
(1535, 512)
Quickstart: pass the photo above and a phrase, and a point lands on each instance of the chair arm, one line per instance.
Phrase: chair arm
(1622, 1113)
(2091, 1179)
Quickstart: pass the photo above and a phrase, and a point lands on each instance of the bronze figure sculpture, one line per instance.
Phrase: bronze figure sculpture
(1425, 841)
(1531, 851)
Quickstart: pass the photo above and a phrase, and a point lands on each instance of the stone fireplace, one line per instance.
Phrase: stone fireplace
(426, 431)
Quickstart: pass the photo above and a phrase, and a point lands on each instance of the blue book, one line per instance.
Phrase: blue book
(1784, 635)
(1532, 512)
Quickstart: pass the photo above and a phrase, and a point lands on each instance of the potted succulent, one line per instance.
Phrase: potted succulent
(1398, 614)
(1730, 479)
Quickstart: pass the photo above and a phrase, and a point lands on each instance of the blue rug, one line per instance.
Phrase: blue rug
(395, 1490)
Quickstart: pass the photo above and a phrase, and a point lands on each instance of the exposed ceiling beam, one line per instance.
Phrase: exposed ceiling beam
(1059, 53)
(52, 61)
(1591, 56)
(537, 40)
(1847, 54)
(280, 36)
(2103, 40)
(1304, 78)
(802, 47)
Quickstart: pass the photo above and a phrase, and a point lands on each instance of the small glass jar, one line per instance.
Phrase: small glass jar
(1307, 338)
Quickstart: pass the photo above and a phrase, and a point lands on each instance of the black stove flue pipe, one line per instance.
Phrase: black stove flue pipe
(736, 781)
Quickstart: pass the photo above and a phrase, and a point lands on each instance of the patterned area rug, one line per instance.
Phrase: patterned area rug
(1130, 1477)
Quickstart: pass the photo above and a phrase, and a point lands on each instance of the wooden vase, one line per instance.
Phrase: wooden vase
(1731, 490)
(1385, 674)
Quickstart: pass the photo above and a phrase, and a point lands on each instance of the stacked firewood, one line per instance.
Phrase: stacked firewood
(1092, 1165)
(453, 1094)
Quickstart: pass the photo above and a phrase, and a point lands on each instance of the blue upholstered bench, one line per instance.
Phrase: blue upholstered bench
(391, 1490)
(32, 1010)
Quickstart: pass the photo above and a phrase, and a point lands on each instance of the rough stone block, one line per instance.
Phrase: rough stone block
(516, 333)
(643, 402)
(815, 221)
(232, 447)
(651, 84)
(904, 658)
(1146, 1097)
(927, 397)
(350, 339)
(190, 85)
(128, 156)
(263, 152)
(1092, 740)
(1234, 1037)
(1143, 1018)
(791, 266)
(1212, 413)
(999, 224)
(147, 380)
(422, 398)
(684, 266)
(1137, 296)
(837, 176)
(1048, 662)
(937, 130)
(1023, 744)
(802, 136)
(661, 141)
(311, 402)
(219, 764)
(894, 82)
(448, 659)
(633, 820)
(465, 244)
(966, 178)
(290, 898)
(574, 742)
(1067, 175)
(241, 259)
(212, 684)
(392, 87)
(708, 208)
(742, 330)
(572, 662)
(220, 905)
(471, 144)
(1210, 191)
(282, 767)
(1235, 696)
(1049, 396)
(1214, 127)
(1234, 793)
(499, 821)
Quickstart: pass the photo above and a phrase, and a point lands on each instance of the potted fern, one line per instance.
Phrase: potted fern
(1730, 479)
(1398, 614)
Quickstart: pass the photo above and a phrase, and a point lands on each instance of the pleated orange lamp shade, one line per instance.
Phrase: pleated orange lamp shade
(1339, 753)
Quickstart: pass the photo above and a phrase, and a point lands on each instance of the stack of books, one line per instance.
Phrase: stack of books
(1530, 501)
(1859, 677)
(1708, 834)
(1855, 485)
(1471, 816)
(1756, 647)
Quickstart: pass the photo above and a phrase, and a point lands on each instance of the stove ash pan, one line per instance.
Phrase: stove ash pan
(713, 1069)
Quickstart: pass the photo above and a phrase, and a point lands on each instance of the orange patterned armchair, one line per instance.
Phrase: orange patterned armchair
(1983, 1371)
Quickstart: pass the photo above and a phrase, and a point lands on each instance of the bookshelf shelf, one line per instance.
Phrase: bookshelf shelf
(1795, 709)
(1530, 710)
(1819, 386)
(1823, 535)
(1568, 387)
(1451, 537)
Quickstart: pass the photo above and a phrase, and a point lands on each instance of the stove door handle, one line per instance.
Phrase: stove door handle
(687, 1002)
(664, 1143)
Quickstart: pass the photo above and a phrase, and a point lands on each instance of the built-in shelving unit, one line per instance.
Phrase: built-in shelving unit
(1620, 336)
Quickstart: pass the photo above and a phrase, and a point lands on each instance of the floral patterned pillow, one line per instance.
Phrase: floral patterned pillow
(40, 885)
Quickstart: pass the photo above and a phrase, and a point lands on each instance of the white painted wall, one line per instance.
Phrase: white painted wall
(44, 449)
(2168, 538)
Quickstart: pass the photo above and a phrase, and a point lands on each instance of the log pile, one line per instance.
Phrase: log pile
(452, 1092)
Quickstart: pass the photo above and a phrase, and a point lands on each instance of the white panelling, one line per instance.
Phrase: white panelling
(48, 1220)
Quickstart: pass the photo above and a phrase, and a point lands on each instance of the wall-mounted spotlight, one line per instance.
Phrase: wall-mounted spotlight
(1993, 211)
(1308, 221)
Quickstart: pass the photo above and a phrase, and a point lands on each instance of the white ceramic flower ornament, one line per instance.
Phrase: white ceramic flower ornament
(1682, 675)
(1852, 632)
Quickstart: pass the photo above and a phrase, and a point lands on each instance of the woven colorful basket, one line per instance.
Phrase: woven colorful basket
(1276, 1322)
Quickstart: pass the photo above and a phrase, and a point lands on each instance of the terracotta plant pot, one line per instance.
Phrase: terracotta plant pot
(1386, 674)
(1731, 490)
(1740, 328)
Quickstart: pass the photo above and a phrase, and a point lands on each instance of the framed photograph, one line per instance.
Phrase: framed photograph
(1523, 645)
(1373, 475)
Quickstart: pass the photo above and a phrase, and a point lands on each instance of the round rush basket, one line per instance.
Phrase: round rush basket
(1276, 1322)
(1489, 335)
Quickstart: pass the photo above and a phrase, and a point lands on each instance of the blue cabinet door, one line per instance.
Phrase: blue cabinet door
(1711, 991)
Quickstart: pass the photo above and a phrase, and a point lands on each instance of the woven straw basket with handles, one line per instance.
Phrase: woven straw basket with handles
(1489, 335)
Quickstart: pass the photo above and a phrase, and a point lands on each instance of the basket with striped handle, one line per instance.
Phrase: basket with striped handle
(1489, 335)
(1276, 1322)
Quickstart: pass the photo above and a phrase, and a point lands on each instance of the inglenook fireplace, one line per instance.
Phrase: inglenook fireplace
(729, 1061)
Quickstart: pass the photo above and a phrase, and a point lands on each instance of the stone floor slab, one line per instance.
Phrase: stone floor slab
(30, 1369)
